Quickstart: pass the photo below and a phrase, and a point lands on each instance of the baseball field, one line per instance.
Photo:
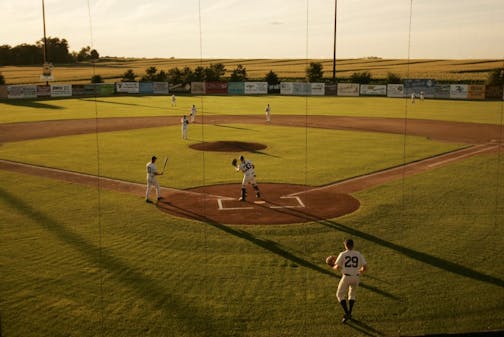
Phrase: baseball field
(419, 187)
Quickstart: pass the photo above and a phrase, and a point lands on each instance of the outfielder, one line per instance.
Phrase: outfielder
(184, 125)
(247, 167)
(151, 179)
(268, 113)
(193, 113)
(173, 100)
(351, 264)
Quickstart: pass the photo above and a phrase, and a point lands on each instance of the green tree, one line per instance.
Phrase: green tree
(57, 50)
(150, 75)
(272, 78)
(496, 77)
(128, 76)
(175, 76)
(361, 78)
(198, 74)
(187, 75)
(239, 74)
(96, 79)
(315, 72)
(393, 78)
(214, 72)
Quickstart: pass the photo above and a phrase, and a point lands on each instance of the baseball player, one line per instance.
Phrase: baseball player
(247, 167)
(173, 100)
(413, 97)
(193, 113)
(351, 264)
(151, 179)
(184, 125)
(268, 113)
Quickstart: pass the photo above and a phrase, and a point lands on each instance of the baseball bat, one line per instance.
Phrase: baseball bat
(164, 165)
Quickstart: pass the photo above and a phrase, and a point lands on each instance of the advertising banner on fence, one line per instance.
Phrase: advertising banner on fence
(160, 88)
(395, 90)
(61, 90)
(442, 91)
(3, 91)
(476, 91)
(301, 89)
(331, 89)
(104, 89)
(287, 88)
(458, 91)
(419, 86)
(22, 91)
(216, 88)
(43, 90)
(198, 88)
(236, 88)
(317, 89)
(127, 87)
(348, 89)
(273, 88)
(494, 92)
(146, 88)
(373, 90)
(256, 88)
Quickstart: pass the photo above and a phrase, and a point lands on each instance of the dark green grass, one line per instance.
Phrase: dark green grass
(76, 262)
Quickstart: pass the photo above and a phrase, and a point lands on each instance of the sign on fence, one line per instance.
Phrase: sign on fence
(61, 90)
(127, 87)
(395, 90)
(373, 90)
(348, 89)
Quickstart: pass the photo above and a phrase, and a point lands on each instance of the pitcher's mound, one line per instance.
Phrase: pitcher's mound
(228, 146)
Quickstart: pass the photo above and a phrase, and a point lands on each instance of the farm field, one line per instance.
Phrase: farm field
(84, 260)
(111, 69)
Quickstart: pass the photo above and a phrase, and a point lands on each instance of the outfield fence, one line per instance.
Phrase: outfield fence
(427, 88)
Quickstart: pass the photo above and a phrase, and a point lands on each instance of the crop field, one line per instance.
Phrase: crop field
(112, 69)
(82, 254)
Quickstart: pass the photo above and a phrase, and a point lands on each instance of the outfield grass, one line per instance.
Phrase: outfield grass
(125, 269)
(58, 109)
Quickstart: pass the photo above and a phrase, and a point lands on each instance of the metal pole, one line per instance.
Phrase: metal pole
(45, 38)
(334, 51)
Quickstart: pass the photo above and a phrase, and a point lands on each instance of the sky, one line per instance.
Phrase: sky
(440, 29)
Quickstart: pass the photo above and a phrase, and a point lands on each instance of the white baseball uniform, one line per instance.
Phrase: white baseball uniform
(173, 101)
(249, 176)
(151, 179)
(184, 125)
(350, 262)
(193, 113)
(268, 113)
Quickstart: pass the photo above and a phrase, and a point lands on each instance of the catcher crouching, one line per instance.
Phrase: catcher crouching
(249, 176)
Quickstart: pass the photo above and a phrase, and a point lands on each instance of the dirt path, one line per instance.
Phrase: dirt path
(281, 203)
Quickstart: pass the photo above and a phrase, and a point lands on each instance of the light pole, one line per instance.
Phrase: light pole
(334, 49)
(45, 39)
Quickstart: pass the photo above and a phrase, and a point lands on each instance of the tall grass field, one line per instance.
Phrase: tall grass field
(80, 261)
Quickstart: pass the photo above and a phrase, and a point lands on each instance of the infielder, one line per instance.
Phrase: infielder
(351, 264)
(268, 113)
(193, 113)
(247, 167)
(151, 179)
(184, 125)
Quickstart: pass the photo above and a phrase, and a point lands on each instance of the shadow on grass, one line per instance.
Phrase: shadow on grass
(411, 253)
(271, 246)
(32, 104)
(363, 328)
(195, 320)
(122, 103)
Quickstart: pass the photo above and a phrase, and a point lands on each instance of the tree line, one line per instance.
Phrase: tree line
(58, 51)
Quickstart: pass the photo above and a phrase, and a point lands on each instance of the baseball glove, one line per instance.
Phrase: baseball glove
(234, 162)
(331, 260)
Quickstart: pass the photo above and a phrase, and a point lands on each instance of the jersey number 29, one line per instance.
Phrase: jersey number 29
(351, 261)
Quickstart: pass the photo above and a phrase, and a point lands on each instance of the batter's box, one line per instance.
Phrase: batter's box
(236, 205)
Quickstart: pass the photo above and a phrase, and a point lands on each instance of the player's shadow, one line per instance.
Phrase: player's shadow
(363, 328)
(411, 253)
(194, 320)
(234, 127)
(122, 103)
(269, 245)
(32, 104)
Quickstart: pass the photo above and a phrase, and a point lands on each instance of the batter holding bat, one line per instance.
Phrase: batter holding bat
(247, 167)
(152, 180)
